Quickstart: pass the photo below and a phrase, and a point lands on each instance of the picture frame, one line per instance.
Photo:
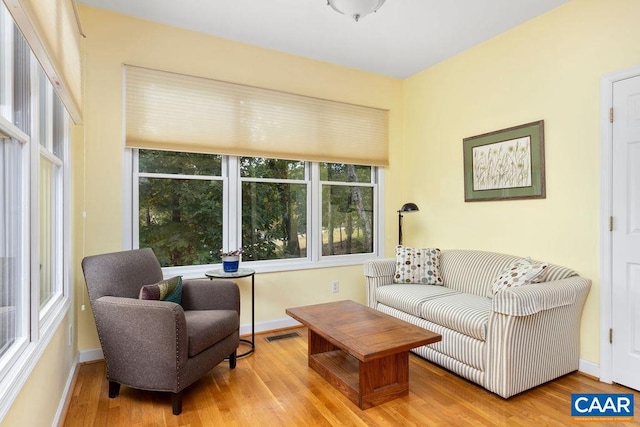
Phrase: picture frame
(506, 164)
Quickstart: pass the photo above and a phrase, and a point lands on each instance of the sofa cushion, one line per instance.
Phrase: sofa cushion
(520, 273)
(473, 272)
(465, 350)
(207, 327)
(464, 313)
(417, 265)
(409, 298)
(164, 290)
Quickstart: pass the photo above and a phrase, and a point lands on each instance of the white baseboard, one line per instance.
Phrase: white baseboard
(272, 325)
(589, 368)
(90, 355)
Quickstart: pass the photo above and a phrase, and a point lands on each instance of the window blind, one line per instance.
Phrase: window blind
(169, 111)
(53, 32)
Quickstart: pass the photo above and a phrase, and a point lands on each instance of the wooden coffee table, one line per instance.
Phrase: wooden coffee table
(362, 352)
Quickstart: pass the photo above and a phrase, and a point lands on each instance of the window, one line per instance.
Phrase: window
(12, 253)
(187, 207)
(347, 208)
(51, 136)
(274, 208)
(180, 206)
(34, 289)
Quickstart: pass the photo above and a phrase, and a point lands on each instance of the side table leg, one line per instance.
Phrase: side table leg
(253, 313)
(252, 343)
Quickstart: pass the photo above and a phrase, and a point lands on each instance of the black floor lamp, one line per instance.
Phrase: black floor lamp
(406, 208)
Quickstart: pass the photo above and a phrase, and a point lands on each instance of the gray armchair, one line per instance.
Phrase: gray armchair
(159, 345)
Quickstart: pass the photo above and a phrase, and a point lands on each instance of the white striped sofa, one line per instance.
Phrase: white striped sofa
(508, 342)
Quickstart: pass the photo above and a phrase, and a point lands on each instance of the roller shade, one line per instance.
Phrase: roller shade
(53, 32)
(169, 111)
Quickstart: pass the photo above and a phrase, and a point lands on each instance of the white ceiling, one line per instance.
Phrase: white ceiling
(403, 38)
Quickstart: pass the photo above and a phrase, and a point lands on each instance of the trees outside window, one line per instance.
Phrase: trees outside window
(191, 206)
(180, 206)
(274, 208)
(347, 209)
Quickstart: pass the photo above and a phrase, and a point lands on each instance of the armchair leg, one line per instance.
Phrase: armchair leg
(232, 359)
(176, 402)
(114, 389)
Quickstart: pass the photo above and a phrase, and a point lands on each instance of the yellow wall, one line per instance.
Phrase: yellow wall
(113, 40)
(550, 69)
(38, 400)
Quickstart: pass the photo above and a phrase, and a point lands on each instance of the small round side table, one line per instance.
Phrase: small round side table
(242, 272)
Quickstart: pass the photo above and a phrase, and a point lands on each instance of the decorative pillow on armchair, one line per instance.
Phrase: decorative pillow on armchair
(521, 272)
(165, 290)
(417, 265)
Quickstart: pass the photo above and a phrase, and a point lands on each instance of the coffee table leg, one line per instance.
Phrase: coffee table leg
(383, 379)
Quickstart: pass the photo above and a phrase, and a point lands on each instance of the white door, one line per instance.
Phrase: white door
(626, 232)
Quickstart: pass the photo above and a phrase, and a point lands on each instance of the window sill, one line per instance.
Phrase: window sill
(273, 266)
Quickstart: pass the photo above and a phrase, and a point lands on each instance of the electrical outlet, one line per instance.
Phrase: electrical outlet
(335, 287)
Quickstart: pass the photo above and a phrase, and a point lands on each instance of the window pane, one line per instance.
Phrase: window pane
(344, 173)
(49, 285)
(11, 217)
(347, 218)
(153, 161)
(258, 167)
(274, 220)
(59, 120)
(181, 219)
(21, 83)
(43, 107)
(6, 29)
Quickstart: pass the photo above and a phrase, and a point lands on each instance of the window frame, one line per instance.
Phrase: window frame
(23, 327)
(42, 131)
(232, 215)
(37, 326)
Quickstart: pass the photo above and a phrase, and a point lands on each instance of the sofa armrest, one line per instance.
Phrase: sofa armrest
(378, 272)
(206, 294)
(533, 334)
(141, 339)
(534, 298)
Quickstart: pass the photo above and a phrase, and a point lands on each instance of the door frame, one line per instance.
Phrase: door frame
(606, 200)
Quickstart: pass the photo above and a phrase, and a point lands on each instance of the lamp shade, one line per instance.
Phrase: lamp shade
(356, 8)
(409, 207)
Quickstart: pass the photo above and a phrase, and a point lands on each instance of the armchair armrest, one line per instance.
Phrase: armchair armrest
(141, 340)
(205, 294)
(378, 272)
(537, 297)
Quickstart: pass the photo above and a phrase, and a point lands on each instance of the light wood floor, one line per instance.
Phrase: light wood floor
(274, 387)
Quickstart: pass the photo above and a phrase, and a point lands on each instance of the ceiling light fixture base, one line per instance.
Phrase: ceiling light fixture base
(355, 8)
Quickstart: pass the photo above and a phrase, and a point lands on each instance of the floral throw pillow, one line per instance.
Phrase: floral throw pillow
(417, 265)
(520, 273)
(165, 290)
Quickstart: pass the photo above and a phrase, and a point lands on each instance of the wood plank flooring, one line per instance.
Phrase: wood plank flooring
(275, 387)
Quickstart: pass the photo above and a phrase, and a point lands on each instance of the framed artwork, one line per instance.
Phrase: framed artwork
(506, 164)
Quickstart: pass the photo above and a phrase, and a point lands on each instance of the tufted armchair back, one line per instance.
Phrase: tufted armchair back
(121, 274)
